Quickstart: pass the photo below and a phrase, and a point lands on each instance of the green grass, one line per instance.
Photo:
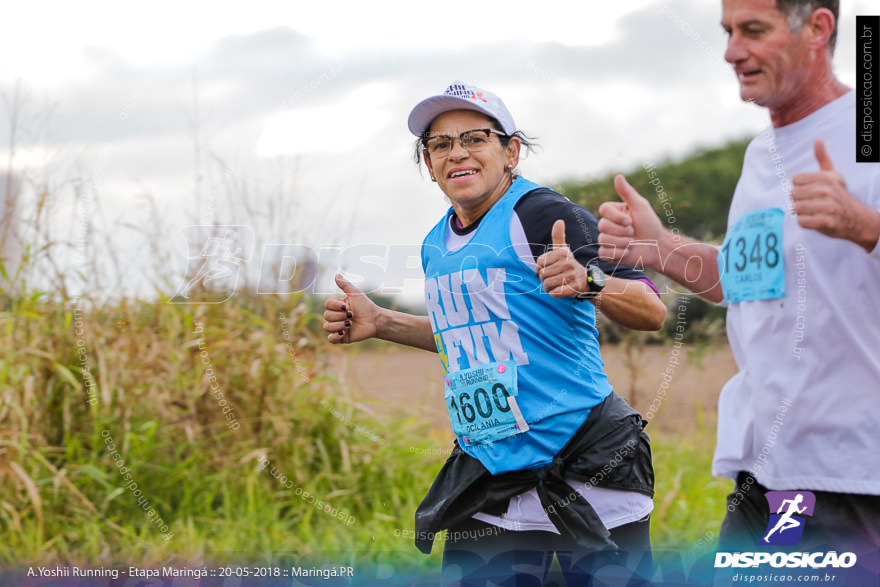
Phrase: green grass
(689, 503)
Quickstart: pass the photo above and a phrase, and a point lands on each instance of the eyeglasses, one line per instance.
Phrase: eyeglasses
(439, 146)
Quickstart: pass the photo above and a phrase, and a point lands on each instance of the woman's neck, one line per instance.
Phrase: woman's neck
(469, 215)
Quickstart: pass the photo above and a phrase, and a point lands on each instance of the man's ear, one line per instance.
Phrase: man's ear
(819, 28)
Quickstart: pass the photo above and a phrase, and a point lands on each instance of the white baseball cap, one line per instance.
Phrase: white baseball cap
(460, 96)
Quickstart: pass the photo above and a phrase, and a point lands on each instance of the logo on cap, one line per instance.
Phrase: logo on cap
(460, 91)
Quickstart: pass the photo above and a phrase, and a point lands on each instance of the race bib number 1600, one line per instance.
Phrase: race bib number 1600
(482, 403)
(750, 260)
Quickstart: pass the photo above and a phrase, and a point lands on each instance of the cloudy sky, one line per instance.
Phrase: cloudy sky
(290, 117)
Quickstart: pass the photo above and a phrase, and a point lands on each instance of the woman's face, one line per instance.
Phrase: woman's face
(471, 180)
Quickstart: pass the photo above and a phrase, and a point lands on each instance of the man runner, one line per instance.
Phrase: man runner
(799, 270)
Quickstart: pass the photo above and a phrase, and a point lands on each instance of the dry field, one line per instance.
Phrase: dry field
(407, 383)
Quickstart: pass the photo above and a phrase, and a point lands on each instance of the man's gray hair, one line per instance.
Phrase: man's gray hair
(798, 11)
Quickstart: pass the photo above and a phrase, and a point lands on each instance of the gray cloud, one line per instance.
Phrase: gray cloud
(244, 76)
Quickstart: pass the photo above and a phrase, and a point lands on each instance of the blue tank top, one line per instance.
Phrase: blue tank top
(486, 306)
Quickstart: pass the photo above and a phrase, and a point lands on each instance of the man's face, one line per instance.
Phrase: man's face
(770, 61)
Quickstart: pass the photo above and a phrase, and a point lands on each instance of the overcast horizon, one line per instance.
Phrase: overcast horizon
(300, 114)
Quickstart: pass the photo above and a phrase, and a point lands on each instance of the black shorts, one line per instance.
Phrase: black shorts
(478, 554)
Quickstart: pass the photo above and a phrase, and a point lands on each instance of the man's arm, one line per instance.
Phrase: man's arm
(822, 202)
(631, 232)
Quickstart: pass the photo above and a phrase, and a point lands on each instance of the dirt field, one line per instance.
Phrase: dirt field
(408, 383)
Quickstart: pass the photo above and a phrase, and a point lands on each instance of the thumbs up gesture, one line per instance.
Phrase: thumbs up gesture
(352, 318)
(630, 231)
(560, 273)
(823, 203)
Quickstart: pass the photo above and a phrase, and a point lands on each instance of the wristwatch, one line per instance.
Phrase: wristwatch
(595, 281)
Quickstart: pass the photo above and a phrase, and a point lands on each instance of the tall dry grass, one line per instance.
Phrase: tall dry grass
(109, 389)
(146, 383)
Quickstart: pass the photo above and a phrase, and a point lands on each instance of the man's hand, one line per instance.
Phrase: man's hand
(823, 203)
(630, 231)
(352, 318)
(560, 273)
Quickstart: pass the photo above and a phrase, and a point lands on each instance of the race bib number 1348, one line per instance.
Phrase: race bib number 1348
(750, 260)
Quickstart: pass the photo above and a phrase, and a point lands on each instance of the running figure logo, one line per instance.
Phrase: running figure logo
(215, 268)
(787, 524)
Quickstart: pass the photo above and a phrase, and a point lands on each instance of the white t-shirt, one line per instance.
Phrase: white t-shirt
(804, 410)
(613, 506)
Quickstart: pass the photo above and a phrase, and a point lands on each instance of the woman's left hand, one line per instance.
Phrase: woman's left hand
(630, 303)
(560, 273)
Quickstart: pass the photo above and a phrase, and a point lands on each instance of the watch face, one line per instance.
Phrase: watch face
(597, 278)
